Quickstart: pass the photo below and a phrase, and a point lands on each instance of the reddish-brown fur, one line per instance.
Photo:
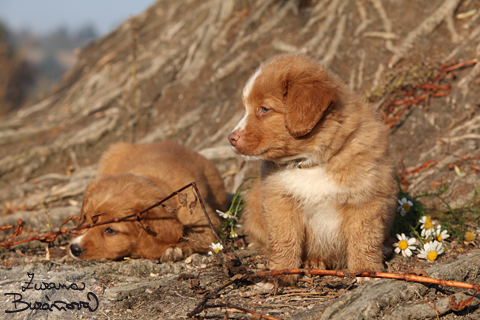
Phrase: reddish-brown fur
(131, 178)
(327, 193)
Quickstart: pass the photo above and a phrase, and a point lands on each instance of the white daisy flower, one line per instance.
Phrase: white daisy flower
(427, 227)
(440, 235)
(216, 247)
(431, 251)
(405, 206)
(225, 215)
(405, 245)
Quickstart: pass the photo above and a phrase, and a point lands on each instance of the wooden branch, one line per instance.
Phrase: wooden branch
(383, 275)
(460, 65)
(3, 228)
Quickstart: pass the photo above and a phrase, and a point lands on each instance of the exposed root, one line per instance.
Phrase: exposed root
(383, 35)
(474, 36)
(334, 44)
(377, 77)
(470, 76)
(318, 13)
(451, 27)
(387, 24)
(361, 67)
(320, 36)
(425, 28)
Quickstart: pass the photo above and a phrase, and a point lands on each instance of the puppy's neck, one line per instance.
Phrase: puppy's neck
(300, 163)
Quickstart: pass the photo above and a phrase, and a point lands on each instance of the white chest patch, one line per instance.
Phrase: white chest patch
(309, 185)
(315, 190)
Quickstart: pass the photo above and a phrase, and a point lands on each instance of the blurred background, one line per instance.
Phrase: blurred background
(38, 41)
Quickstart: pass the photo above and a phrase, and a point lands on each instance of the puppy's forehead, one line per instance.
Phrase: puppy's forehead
(249, 85)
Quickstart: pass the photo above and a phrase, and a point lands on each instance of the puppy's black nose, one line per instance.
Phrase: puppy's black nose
(76, 250)
(233, 138)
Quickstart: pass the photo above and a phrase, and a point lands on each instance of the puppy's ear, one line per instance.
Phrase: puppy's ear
(159, 231)
(86, 198)
(306, 99)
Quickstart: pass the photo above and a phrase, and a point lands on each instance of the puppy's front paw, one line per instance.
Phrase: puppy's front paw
(365, 279)
(314, 263)
(172, 254)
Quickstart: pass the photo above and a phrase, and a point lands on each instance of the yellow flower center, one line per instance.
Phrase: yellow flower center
(428, 223)
(469, 237)
(438, 238)
(217, 249)
(403, 244)
(406, 207)
(432, 255)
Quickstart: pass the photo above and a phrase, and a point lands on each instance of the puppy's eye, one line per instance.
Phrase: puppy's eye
(110, 231)
(264, 110)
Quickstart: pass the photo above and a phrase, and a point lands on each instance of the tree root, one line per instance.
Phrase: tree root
(425, 28)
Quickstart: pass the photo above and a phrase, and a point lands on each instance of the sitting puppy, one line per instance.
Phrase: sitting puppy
(131, 178)
(326, 196)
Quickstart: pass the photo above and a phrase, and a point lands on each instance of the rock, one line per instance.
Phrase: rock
(121, 292)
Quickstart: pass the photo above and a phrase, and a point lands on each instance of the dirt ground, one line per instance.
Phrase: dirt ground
(147, 289)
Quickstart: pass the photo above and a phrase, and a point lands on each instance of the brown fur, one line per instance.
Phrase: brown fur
(327, 193)
(131, 178)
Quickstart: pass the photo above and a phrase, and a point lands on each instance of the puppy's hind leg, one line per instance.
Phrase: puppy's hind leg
(365, 234)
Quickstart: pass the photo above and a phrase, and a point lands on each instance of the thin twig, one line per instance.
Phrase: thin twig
(385, 275)
(208, 218)
(201, 306)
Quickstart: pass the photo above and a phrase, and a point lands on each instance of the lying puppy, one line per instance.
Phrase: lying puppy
(327, 193)
(131, 178)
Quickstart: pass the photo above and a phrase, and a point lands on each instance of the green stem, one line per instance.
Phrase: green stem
(416, 234)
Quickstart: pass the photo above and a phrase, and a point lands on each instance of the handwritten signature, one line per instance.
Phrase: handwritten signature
(20, 305)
